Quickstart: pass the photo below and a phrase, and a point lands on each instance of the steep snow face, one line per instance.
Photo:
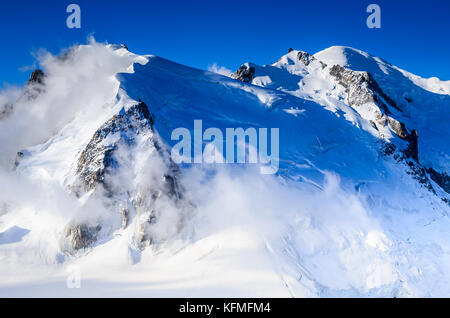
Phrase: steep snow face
(346, 215)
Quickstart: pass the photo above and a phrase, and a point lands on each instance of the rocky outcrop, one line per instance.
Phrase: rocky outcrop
(125, 217)
(37, 77)
(80, 236)
(412, 151)
(397, 127)
(110, 155)
(32, 89)
(245, 73)
(305, 58)
(421, 174)
(414, 168)
(441, 178)
(98, 156)
(144, 234)
(19, 156)
(35, 85)
(362, 88)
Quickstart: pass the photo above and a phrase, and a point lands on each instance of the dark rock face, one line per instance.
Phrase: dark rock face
(421, 174)
(413, 167)
(81, 235)
(19, 157)
(305, 58)
(125, 217)
(144, 236)
(33, 88)
(441, 178)
(98, 156)
(109, 156)
(245, 73)
(35, 85)
(37, 77)
(412, 151)
(362, 88)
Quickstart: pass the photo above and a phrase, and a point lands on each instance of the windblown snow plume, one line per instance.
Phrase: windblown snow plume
(219, 70)
(359, 206)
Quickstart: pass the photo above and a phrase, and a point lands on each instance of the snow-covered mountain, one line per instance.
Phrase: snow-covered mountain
(359, 206)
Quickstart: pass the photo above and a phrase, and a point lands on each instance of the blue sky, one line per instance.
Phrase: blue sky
(414, 34)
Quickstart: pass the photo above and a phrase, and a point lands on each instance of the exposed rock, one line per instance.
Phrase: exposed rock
(362, 88)
(414, 168)
(98, 156)
(305, 58)
(441, 178)
(245, 73)
(389, 149)
(81, 235)
(144, 237)
(412, 151)
(398, 128)
(37, 77)
(125, 217)
(419, 173)
(381, 118)
(110, 151)
(32, 89)
(35, 85)
(323, 64)
(19, 157)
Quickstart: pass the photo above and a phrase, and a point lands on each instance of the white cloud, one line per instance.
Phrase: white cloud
(219, 70)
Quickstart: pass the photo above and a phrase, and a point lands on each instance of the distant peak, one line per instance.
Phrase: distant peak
(37, 76)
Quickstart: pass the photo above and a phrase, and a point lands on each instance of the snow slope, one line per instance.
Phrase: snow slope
(340, 218)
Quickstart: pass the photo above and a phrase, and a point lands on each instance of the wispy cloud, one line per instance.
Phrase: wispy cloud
(219, 70)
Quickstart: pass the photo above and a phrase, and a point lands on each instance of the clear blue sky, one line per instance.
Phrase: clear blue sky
(414, 34)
